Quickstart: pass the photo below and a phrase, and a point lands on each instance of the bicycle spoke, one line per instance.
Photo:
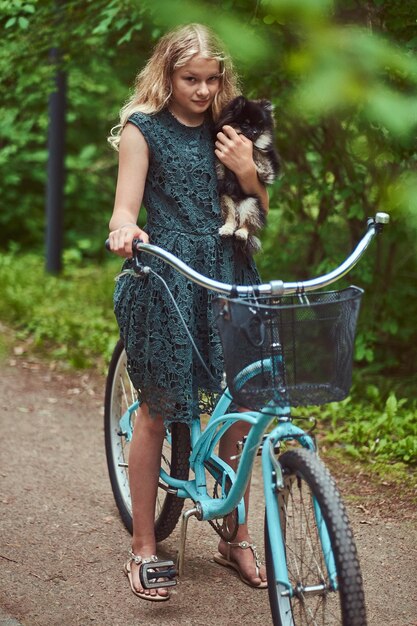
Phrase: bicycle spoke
(120, 395)
(305, 559)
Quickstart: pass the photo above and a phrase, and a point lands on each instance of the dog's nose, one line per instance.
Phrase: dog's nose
(251, 133)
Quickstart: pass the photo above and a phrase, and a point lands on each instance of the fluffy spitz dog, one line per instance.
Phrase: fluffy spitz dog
(243, 215)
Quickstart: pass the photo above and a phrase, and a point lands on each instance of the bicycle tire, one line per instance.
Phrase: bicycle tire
(119, 395)
(305, 476)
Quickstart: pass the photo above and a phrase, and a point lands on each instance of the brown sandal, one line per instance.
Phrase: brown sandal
(226, 561)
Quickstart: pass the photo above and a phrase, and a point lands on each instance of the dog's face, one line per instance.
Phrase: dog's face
(253, 118)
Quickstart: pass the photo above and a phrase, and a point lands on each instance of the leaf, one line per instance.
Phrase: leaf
(355, 211)
(23, 22)
(394, 110)
(352, 450)
(391, 406)
(126, 37)
(103, 26)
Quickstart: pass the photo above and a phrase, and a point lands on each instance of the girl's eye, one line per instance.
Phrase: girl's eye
(213, 79)
(190, 79)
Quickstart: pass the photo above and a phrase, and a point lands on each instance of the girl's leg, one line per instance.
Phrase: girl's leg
(244, 558)
(144, 465)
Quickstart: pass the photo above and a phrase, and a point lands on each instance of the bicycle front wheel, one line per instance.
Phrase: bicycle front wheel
(314, 600)
(120, 395)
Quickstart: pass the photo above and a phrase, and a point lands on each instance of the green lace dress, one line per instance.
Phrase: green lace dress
(183, 216)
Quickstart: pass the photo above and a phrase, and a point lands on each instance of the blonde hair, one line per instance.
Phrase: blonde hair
(153, 89)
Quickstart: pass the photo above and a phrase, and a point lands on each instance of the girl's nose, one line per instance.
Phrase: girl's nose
(203, 90)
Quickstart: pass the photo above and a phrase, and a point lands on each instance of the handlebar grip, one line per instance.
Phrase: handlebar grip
(134, 242)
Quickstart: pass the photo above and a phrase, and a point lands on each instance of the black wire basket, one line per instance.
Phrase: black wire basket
(291, 350)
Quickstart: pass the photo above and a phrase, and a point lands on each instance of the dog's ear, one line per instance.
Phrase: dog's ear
(237, 104)
(266, 105)
(230, 112)
(234, 107)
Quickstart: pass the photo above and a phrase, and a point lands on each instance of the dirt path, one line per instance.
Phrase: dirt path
(63, 546)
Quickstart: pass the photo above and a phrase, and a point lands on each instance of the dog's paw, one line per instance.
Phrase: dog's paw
(226, 231)
(242, 234)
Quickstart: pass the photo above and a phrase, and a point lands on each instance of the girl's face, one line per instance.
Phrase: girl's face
(194, 86)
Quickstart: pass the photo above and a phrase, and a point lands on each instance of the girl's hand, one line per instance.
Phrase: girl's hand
(235, 151)
(121, 239)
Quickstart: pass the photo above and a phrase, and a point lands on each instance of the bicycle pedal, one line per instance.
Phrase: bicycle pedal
(151, 574)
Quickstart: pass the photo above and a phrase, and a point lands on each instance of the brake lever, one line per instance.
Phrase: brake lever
(138, 269)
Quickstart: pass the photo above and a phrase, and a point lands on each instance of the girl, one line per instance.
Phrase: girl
(166, 160)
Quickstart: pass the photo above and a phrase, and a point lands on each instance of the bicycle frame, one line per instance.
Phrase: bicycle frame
(273, 482)
(203, 442)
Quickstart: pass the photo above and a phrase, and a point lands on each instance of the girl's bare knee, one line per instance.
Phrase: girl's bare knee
(151, 423)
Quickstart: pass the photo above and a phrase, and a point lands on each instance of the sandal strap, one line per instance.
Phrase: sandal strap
(244, 545)
(140, 559)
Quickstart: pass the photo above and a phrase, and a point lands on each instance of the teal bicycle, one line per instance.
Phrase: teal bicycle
(285, 345)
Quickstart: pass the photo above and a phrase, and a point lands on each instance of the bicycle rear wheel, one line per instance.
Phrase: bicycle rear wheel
(120, 394)
(314, 602)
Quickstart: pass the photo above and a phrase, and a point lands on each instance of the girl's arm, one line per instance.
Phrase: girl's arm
(133, 168)
(236, 153)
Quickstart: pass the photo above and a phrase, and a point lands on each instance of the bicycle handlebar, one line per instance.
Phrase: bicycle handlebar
(275, 287)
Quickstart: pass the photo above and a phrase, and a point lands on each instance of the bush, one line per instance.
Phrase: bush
(371, 426)
(68, 317)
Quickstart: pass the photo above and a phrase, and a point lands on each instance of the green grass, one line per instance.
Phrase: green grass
(68, 317)
(370, 426)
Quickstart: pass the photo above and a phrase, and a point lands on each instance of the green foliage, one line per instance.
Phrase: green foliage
(87, 34)
(343, 79)
(344, 83)
(376, 429)
(69, 318)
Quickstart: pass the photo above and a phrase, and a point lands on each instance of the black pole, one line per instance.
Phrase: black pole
(56, 170)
